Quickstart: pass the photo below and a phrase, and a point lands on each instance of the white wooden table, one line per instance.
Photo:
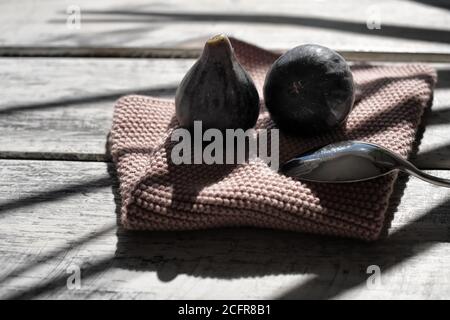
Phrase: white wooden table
(58, 193)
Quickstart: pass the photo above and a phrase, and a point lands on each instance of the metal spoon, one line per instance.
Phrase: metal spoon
(352, 161)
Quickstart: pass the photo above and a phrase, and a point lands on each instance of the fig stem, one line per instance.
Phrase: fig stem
(217, 39)
(218, 48)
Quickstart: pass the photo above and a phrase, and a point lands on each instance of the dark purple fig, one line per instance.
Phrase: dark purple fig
(217, 90)
(309, 89)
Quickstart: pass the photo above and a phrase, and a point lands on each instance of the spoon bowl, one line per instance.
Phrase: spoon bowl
(351, 161)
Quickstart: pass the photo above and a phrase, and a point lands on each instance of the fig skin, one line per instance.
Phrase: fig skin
(309, 89)
(217, 91)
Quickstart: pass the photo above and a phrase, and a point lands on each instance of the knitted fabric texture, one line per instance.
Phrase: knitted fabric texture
(158, 195)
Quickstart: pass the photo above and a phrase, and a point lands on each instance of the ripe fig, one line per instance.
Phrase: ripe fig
(309, 89)
(217, 90)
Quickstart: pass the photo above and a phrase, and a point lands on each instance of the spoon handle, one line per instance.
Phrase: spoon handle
(414, 171)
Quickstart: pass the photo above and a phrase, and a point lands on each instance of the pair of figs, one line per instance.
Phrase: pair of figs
(308, 89)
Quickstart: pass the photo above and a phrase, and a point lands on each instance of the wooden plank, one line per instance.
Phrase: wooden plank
(414, 26)
(56, 215)
(62, 108)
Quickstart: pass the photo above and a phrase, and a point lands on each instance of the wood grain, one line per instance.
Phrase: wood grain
(62, 108)
(412, 26)
(59, 214)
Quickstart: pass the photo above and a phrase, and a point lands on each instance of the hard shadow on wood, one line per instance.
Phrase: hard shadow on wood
(443, 78)
(55, 254)
(337, 264)
(163, 91)
(325, 285)
(439, 117)
(54, 195)
(444, 4)
(59, 282)
(48, 196)
(121, 36)
(158, 17)
(434, 158)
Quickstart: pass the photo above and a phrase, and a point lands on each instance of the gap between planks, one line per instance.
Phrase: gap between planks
(55, 156)
(186, 53)
(106, 158)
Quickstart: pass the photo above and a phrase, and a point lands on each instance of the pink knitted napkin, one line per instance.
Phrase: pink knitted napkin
(158, 195)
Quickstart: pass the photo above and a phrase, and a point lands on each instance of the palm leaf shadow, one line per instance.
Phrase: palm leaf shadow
(158, 17)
